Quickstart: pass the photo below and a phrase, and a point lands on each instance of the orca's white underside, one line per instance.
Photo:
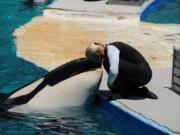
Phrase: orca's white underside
(77, 90)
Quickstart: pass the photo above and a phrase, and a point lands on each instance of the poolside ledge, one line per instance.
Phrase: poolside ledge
(160, 114)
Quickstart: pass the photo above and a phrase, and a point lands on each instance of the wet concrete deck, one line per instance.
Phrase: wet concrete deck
(164, 110)
(62, 35)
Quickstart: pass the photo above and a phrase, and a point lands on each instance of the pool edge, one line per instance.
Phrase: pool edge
(131, 122)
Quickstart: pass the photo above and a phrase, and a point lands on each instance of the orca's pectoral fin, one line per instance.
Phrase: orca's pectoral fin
(25, 98)
(21, 100)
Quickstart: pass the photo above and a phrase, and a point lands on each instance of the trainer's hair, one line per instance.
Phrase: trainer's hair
(92, 54)
(100, 44)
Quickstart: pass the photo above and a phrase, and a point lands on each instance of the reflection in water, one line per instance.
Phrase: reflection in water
(33, 3)
(65, 121)
(29, 3)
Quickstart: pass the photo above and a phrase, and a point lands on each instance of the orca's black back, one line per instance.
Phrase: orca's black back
(69, 69)
(57, 75)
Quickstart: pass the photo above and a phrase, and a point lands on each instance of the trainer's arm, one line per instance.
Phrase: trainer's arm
(113, 57)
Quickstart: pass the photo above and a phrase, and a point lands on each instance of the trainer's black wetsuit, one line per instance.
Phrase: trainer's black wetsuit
(134, 71)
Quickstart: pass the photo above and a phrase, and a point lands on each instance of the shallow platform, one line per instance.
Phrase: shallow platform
(94, 6)
(164, 110)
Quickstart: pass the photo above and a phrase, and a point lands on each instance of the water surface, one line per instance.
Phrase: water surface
(15, 71)
(92, 120)
(168, 12)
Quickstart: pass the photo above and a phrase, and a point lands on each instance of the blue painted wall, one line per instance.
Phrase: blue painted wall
(130, 122)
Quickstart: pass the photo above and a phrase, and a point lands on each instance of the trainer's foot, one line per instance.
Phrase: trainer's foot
(115, 96)
(151, 95)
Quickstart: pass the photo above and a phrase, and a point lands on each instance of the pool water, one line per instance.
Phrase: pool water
(168, 12)
(64, 121)
(15, 71)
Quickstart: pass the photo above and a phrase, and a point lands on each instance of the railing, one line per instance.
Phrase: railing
(176, 69)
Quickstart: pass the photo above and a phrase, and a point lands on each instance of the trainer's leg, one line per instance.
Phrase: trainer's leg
(138, 74)
(122, 87)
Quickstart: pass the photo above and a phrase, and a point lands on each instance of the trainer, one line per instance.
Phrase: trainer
(127, 69)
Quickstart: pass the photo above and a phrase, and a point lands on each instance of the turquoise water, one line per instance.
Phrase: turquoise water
(66, 121)
(169, 12)
(15, 71)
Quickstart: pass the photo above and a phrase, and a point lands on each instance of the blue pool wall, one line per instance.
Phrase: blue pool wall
(131, 122)
(148, 7)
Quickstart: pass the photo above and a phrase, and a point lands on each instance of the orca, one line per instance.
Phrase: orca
(75, 83)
